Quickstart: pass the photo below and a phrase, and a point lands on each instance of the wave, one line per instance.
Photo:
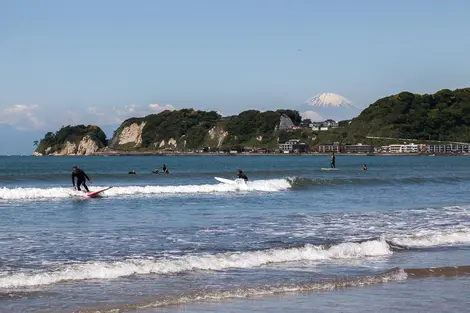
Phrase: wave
(429, 240)
(396, 274)
(304, 182)
(187, 263)
(392, 275)
(272, 185)
(379, 247)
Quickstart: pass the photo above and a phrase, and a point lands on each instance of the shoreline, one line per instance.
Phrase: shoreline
(167, 154)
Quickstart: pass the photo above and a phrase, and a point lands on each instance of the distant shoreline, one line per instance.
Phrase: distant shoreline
(166, 154)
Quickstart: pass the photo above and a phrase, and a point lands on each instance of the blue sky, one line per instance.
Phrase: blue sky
(66, 62)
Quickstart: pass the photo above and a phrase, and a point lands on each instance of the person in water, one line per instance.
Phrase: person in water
(364, 167)
(333, 160)
(81, 176)
(242, 175)
(155, 171)
(132, 172)
(165, 169)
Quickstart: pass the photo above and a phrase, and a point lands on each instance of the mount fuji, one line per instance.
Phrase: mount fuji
(328, 106)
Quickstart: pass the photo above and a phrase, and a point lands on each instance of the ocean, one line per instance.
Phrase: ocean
(393, 238)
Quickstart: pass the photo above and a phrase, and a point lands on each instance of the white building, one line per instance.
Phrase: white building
(407, 148)
(456, 148)
(322, 126)
(293, 145)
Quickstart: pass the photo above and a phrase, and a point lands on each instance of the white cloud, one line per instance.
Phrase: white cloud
(117, 115)
(313, 116)
(159, 107)
(22, 116)
(95, 111)
(21, 108)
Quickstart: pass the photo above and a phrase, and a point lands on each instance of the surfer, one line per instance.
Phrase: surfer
(132, 172)
(364, 167)
(333, 160)
(165, 169)
(81, 175)
(155, 171)
(242, 175)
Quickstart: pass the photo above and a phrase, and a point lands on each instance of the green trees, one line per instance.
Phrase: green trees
(444, 115)
(191, 128)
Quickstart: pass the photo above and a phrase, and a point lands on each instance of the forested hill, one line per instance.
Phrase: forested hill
(444, 116)
(190, 129)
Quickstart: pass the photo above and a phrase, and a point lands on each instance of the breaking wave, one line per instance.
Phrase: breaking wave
(106, 270)
(187, 263)
(272, 185)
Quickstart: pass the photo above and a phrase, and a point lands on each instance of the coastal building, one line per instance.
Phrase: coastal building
(328, 148)
(306, 124)
(405, 148)
(359, 148)
(293, 145)
(451, 148)
(325, 125)
(385, 149)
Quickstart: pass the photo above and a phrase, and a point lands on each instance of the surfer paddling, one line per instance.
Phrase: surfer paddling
(81, 176)
(242, 175)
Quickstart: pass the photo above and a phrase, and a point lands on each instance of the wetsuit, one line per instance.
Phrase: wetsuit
(333, 162)
(81, 175)
(242, 176)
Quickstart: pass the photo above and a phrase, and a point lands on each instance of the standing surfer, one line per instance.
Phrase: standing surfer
(81, 176)
(333, 160)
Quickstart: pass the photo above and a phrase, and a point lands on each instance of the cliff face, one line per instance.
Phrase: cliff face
(129, 135)
(72, 140)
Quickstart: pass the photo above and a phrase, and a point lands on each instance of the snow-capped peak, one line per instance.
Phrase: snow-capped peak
(329, 100)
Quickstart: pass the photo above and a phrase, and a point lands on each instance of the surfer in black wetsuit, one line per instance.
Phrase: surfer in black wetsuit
(81, 176)
(242, 175)
(165, 169)
(333, 160)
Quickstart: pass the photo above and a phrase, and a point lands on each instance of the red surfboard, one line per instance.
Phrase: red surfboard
(94, 193)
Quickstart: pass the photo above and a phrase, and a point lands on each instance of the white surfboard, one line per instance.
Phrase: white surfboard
(329, 169)
(237, 181)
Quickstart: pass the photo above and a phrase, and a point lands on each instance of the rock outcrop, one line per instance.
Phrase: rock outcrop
(131, 134)
(218, 135)
(72, 140)
(86, 146)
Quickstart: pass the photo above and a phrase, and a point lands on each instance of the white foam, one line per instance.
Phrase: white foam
(272, 185)
(223, 261)
(424, 240)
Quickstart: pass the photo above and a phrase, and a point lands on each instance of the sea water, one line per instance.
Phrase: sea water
(293, 238)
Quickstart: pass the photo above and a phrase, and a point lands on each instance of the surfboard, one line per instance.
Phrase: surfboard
(95, 193)
(329, 169)
(225, 181)
(237, 181)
